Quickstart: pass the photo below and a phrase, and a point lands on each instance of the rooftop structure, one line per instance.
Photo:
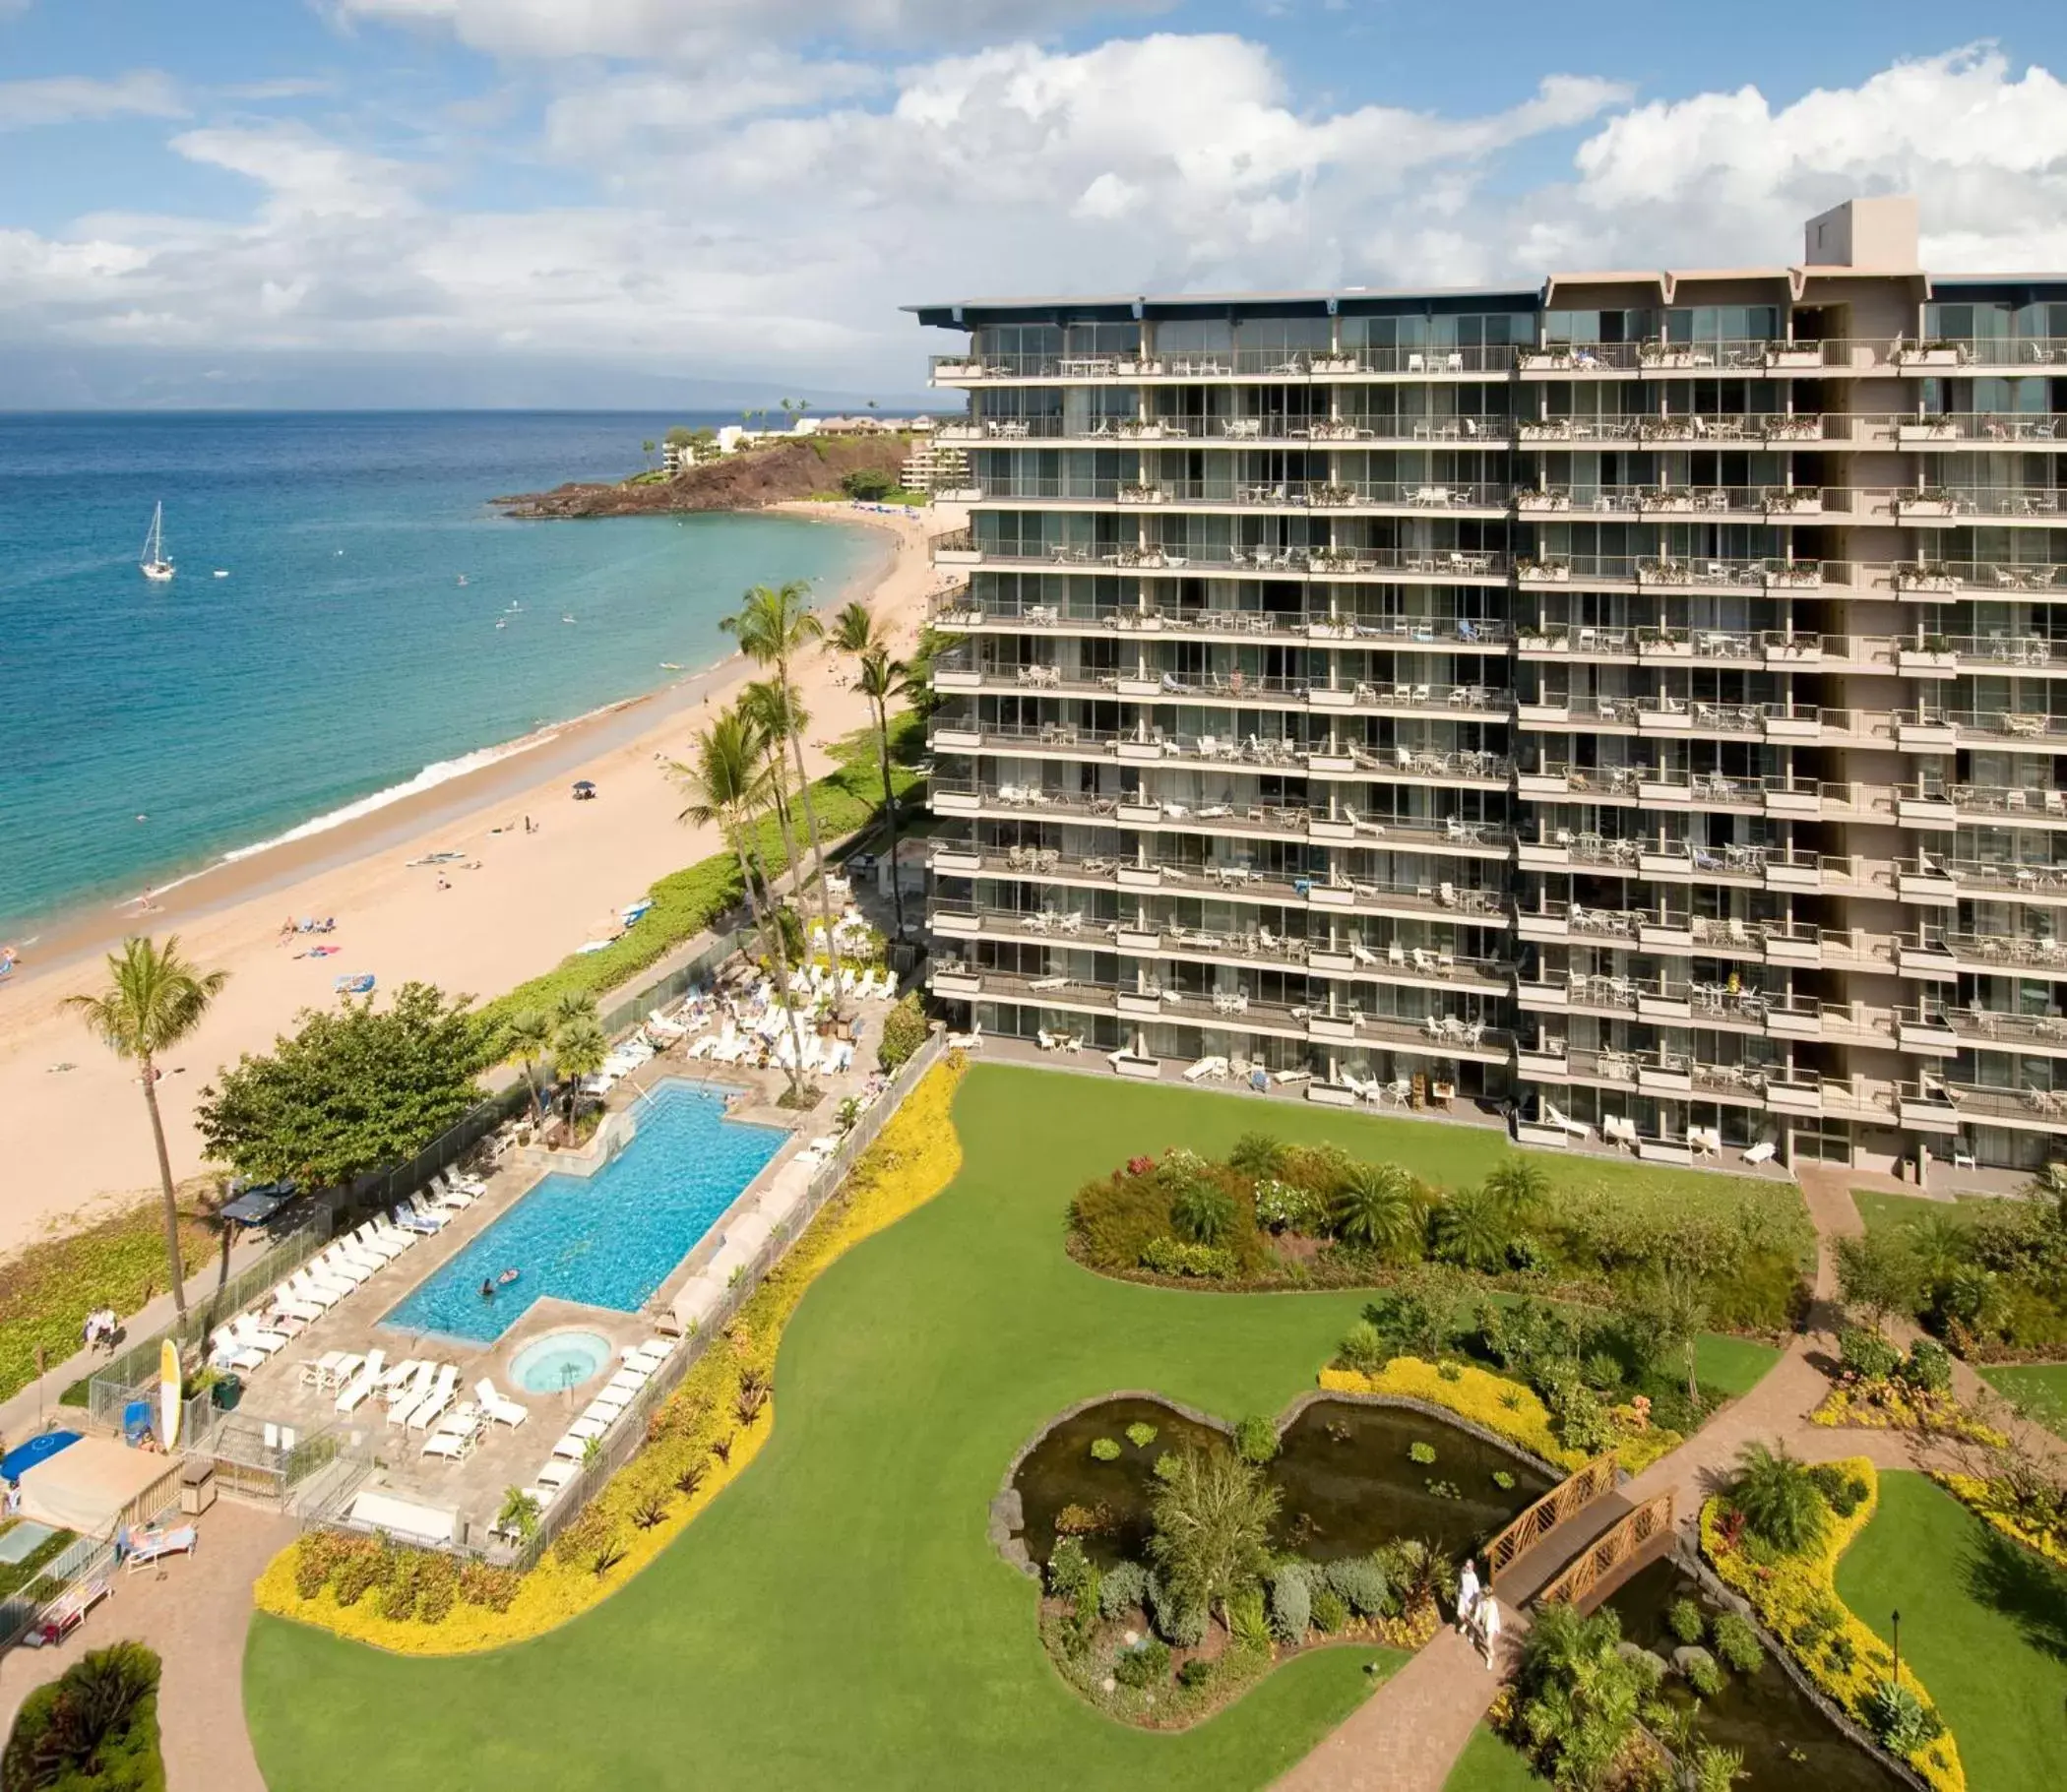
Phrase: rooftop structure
(1641, 698)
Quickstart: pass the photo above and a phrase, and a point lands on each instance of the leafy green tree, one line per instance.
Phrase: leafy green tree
(526, 1039)
(1878, 1274)
(152, 1001)
(351, 1090)
(774, 626)
(1257, 1155)
(1580, 1698)
(1212, 1536)
(868, 484)
(1781, 1502)
(723, 787)
(680, 436)
(1380, 1208)
(83, 1729)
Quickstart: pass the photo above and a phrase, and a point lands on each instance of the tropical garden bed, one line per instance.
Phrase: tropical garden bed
(93, 1729)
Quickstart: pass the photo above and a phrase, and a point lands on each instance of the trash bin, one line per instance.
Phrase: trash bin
(227, 1391)
(197, 1486)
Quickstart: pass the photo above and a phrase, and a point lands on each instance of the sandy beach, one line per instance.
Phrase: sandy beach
(534, 897)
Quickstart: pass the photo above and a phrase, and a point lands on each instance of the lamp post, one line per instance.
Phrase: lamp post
(1894, 1616)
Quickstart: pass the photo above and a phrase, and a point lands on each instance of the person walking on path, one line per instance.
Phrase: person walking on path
(1488, 1609)
(1466, 1596)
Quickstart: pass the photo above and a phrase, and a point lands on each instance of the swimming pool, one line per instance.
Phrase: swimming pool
(606, 1240)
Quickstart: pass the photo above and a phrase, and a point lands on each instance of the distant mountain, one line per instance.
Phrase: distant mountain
(49, 377)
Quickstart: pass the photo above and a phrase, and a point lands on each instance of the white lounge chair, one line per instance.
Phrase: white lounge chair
(557, 1475)
(246, 1330)
(362, 1384)
(502, 1410)
(147, 1548)
(225, 1351)
(386, 1246)
(405, 1396)
(434, 1402)
(291, 1306)
(1762, 1153)
(334, 1265)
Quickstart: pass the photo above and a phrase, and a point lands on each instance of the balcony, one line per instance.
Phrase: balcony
(1287, 429)
(2003, 652)
(1985, 1029)
(1933, 581)
(1451, 566)
(1942, 956)
(1987, 429)
(1769, 503)
(2046, 733)
(2016, 807)
(1407, 497)
(1991, 354)
(2042, 883)
(1951, 1106)
(1444, 634)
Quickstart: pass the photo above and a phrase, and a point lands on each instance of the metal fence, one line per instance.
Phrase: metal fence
(83, 1560)
(702, 969)
(133, 1374)
(627, 1436)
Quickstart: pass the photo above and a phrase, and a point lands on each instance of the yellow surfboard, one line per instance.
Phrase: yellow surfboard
(168, 1401)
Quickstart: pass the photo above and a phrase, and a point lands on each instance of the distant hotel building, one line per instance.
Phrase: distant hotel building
(1643, 697)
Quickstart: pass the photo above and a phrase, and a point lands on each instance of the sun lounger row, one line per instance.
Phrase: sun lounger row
(640, 1364)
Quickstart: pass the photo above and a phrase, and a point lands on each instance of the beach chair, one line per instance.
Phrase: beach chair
(433, 1403)
(150, 1547)
(572, 1447)
(334, 1266)
(406, 1394)
(60, 1620)
(453, 1442)
(226, 1351)
(350, 1250)
(294, 1307)
(499, 1409)
(386, 1245)
(355, 1391)
(327, 1370)
(557, 1475)
(246, 1330)
(585, 1428)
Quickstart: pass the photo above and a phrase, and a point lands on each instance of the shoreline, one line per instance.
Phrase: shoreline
(512, 906)
(508, 770)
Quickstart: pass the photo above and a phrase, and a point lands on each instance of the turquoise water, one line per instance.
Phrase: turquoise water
(341, 657)
(606, 1240)
(558, 1361)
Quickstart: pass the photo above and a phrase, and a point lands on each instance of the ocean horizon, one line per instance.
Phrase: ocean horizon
(379, 627)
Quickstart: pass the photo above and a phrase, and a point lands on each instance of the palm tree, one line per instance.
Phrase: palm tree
(1213, 1527)
(153, 1000)
(579, 1047)
(882, 679)
(1781, 1502)
(518, 1513)
(723, 787)
(775, 624)
(1519, 1187)
(1471, 1229)
(526, 1039)
(771, 711)
(1378, 1208)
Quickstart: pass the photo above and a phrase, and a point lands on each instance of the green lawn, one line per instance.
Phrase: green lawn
(2039, 1387)
(838, 1617)
(1488, 1765)
(1730, 1366)
(1883, 1212)
(1985, 1625)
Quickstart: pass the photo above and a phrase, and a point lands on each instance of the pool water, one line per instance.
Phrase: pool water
(606, 1240)
(559, 1360)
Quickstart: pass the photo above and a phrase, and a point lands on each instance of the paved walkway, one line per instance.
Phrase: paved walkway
(1407, 1735)
(194, 1611)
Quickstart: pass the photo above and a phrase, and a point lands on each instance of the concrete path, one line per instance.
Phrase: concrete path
(194, 1611)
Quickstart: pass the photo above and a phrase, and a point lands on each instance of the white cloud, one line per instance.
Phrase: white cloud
(774, 215)
(77, 99)
(679, 29)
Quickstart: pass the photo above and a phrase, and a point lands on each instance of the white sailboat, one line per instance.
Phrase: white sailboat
(152, 562)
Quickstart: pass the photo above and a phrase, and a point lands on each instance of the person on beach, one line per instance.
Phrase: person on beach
(1489, 1629)
(1466, 1596)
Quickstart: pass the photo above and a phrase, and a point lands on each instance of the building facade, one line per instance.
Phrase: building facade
(1642, 698)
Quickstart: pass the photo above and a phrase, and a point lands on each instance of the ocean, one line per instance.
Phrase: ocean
(147, 730)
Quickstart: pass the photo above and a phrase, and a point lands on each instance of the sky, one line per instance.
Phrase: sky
(510, 202)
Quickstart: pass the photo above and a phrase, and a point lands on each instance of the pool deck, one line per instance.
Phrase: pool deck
(512, 1456)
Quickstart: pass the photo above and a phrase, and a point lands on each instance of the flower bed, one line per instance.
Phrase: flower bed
(1796, 1600)
(1889, 1403)
(1507, 1409)
(419, 1603)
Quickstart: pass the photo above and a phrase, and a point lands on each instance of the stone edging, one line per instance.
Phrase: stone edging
(1687, 1557)
(1007, 1515)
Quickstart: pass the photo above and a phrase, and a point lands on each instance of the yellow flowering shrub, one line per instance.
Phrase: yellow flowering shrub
(1796, 1600)
(1980, 1499)
(1888, 1405)
(1506, 1408)
(915, 1156)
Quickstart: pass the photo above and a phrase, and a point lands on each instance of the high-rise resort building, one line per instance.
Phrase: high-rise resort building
(1640, 697)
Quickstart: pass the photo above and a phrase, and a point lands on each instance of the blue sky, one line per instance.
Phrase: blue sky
(237, 198)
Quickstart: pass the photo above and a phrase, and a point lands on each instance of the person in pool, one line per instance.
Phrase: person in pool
(488, 1288)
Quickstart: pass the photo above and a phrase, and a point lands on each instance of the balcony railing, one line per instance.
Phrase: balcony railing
(1272, 757)
(2011, 804)
(1412, 494)
(1987, 653)
(2011, 953)
(1297, 560)
(1986, 1027)
(1633, 569)
(1779, 428)
(1941, 503)
(1954, 577)
(1988, 428)
(1778, 501)
(2009, 725)
(2020, 353)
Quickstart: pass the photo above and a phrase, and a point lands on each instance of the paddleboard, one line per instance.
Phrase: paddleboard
(168, 1400)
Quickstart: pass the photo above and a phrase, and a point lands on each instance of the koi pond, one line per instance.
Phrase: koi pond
(1784, 1737)
(1351, 1476)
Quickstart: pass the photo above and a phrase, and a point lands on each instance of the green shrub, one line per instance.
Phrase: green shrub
(1147, 1666)
(1685, 1620)
(1364, 1349)
(1929, 1366)
(1902, 1721)
(360, 1573)
(1360, 1584)
(1105, 1450)
(1423, 1453)
(1329, 1612)
(1736, 1643)
(1705, 1677)
(1866, 1353)
(867, 485)
(1285, 1207)
(1291, 1602)
(1203, 1213)
(1183, 1626)
(1140, 1434)
(904, 1030)
(1070, 1573)
(437, 1587)
(1248, 1622)
(1256, 1440)
(1843, 1492)
(1203, 1262)
(94, 1729)
(1122, 1589)
(1257, 1155)
(1195, 1673)
(1167, 1467)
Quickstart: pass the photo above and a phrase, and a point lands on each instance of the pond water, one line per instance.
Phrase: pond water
(1785, 1739)
(1347, 1480)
